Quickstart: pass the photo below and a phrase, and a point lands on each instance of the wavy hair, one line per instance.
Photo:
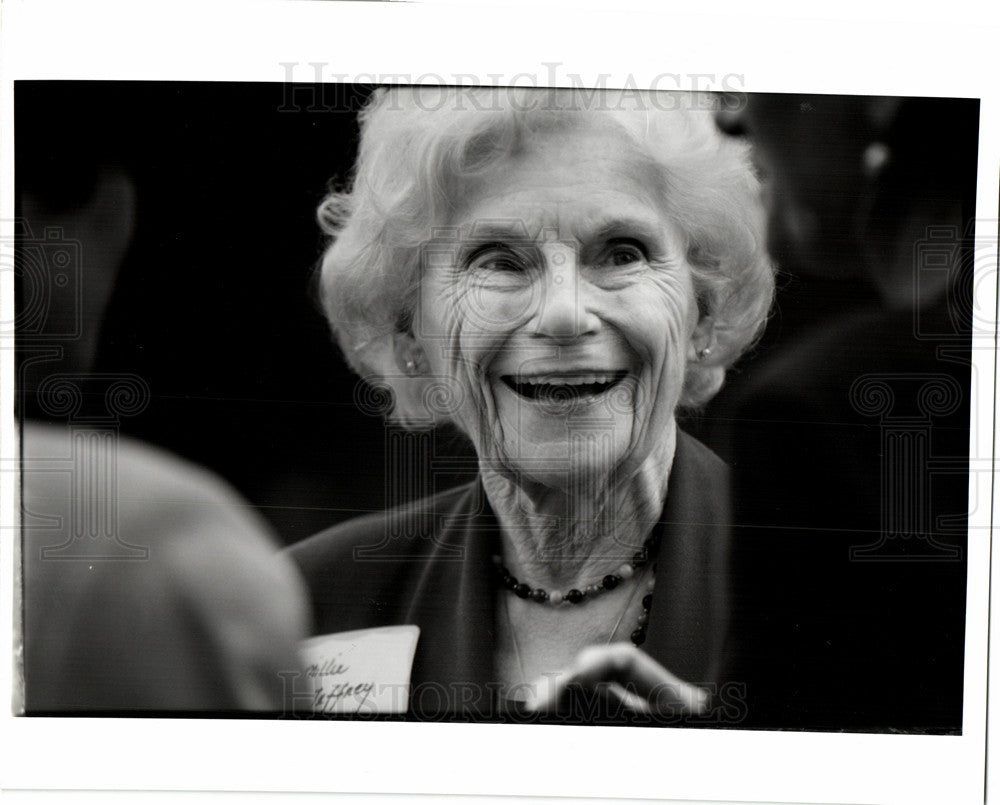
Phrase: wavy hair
(420, 144)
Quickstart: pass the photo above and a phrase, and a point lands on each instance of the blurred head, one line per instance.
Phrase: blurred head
(553, 271)
(853, 181)
(77, 209)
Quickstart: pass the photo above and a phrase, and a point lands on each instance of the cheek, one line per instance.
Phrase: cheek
(492, 312)
(458, 322)
(486, 318)
(657, 318)
(462, 329)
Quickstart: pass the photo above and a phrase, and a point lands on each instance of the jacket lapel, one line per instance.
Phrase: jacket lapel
(454, 605)
(688, 617)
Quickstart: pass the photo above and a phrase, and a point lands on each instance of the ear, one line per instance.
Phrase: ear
(702, 340)
(409, 355)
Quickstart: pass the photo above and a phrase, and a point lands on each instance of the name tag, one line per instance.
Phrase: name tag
(362, 672)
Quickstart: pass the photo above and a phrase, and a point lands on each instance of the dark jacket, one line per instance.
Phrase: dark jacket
(849, 455)
(170, 600)
(430, 564)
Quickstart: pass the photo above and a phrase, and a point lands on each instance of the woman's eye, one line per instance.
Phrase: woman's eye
(504, 264)
(623, 253)
(496, 259)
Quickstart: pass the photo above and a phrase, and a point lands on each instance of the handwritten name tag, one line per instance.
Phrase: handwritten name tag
(362, 672)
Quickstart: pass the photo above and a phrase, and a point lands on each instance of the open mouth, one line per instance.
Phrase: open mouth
(563, 387)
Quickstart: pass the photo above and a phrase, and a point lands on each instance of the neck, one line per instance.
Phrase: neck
(566, 537)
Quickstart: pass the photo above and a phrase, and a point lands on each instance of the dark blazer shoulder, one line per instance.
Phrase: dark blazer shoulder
(341, 541)
(698, 460)
(362, 572)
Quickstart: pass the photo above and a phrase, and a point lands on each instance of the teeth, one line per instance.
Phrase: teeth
(566, 380)
(579, 385)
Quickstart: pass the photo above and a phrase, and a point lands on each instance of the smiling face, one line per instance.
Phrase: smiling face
(561, 313)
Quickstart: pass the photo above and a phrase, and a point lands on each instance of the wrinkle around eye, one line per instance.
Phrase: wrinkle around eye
(664, 263)
(633, 251)
(661, 273)
(497, 258)
(500, 265)
(604, 272)
(504, 273)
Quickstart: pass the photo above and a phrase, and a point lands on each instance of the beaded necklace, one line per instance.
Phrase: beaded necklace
(635, 637)
(577, 596)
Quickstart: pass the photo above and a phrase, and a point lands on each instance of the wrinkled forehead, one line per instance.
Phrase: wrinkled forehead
(550, 226)
(587, 178)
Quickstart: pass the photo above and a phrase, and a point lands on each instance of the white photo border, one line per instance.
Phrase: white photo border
(257, 41)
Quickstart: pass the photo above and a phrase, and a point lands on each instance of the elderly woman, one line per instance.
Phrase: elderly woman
(555, 273)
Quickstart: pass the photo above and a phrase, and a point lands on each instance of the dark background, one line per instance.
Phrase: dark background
(213, 305)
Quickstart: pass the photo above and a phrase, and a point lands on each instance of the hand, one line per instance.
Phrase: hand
(630, 677)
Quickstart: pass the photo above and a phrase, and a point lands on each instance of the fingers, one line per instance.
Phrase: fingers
(628, 675)
(629, 700)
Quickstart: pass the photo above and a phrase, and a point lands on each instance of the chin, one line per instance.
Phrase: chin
(566, 443)
(585, 464)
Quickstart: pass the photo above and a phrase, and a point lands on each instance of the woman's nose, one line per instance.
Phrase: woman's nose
(563, 310)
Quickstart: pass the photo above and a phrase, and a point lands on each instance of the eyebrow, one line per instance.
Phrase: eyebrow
(599, 229)
(503, 231)
(646, 230)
